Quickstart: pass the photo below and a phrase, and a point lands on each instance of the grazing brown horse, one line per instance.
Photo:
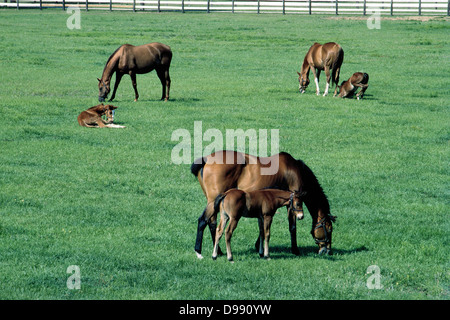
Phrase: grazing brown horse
(132, 60)
(321, 57)
(261, 204)
(349, 87)
(224, 170)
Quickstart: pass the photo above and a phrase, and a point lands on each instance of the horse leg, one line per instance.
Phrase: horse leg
(336, 81)
(119, 76)
(203, 221)
(363, 87)
(219, 232)
(293, 231)
(327, 72)
(316, 73)
(260, 241)
(267, 224)
(133, 82)
(228, 234)
(164, 77)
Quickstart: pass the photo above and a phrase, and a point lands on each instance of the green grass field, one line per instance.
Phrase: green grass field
(112, 202)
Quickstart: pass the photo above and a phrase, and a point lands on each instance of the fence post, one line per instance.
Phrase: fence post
(420, 7)
(309, 6)
(364, 8)
(40, 4)
(448, 8)
(232, 6)
(159, 5)
(337, 7)
(392, 7)
(182, 6)
(87, 5)
(17, 3)
(64, 5)
(110, 5)
(284, 6)
(257, 11)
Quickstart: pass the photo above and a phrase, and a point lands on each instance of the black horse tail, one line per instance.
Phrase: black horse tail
(365, 78)
(198, 165)
(337, 65)
(218, 200)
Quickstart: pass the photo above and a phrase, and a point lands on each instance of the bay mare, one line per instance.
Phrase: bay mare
(224, 170)
(328, 57)
(132, 60)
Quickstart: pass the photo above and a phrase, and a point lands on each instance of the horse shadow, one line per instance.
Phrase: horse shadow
(284, 252)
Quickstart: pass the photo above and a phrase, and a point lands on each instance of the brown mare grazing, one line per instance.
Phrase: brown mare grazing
(261, 204)
(321, 57)
(128, 59)
(349, 87)
(92, 117)
(224, 170)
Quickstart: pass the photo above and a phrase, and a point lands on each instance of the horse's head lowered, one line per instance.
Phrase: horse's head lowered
(304, 82)
(296, 204)
(103, 90)
(322, 231)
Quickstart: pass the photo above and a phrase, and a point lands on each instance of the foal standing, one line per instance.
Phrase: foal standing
(261, 204)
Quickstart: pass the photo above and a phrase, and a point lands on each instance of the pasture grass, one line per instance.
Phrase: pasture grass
(113, 203)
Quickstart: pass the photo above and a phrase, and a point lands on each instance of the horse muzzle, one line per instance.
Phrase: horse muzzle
(101, 99)
(325, 251)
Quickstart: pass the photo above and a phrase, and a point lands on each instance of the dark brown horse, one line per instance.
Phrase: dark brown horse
(357, 80)
(321, 57)
(261, 204)
(128, 59)
(224, 170)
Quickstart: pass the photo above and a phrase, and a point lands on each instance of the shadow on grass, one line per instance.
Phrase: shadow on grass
(284, 252)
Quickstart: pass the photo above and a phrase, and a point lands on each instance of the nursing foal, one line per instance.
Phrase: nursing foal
(261, 204)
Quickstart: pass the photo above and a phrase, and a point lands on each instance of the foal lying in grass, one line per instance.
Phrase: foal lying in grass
(92, 117)
(261, 204)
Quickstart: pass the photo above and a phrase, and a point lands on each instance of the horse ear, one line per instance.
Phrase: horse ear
(299, 73)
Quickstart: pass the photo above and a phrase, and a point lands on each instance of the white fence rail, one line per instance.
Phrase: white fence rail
(386, 7)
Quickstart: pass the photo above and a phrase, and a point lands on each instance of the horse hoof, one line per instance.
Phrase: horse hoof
(199, 256)
(261, 255)
(266, 258)
(214, 257)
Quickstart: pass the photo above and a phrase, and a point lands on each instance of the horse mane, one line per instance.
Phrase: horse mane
(110, 57)
(314, 191)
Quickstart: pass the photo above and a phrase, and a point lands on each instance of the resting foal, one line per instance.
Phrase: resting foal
(92, 117)
(349, 87)
(261, 204)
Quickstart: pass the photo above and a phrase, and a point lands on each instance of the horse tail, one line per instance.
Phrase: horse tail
(198, 165)
(365, 78)
(218, 200)
(337, 65)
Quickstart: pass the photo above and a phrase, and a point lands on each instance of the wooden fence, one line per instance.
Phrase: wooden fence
(338, 7)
